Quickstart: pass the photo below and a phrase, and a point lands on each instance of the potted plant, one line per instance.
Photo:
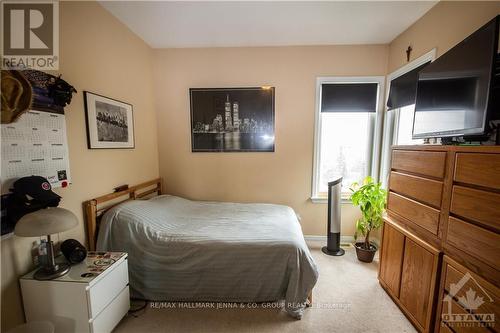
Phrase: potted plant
(371, 199)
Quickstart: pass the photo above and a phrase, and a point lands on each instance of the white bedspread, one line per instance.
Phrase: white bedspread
(183, 250)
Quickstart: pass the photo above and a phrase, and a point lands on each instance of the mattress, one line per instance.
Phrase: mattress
(183, 250)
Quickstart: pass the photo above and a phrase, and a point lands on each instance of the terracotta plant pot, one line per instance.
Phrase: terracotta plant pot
(363, 254)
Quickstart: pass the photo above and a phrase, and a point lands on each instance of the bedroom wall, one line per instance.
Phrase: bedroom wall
(98, 54)
(282, 177)
(292, 70)
(442, 27)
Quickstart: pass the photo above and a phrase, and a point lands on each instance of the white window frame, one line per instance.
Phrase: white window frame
(374, 150)
(391, 121)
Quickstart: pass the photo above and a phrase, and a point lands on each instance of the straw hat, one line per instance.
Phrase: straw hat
(16, 95)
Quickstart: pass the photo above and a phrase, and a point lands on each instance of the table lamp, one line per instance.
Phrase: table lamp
(46, 222)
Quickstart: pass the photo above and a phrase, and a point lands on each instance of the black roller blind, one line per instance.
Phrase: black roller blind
(349, 97)
(404, 89)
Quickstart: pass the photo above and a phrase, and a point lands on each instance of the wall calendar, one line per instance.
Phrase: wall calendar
(35, 144)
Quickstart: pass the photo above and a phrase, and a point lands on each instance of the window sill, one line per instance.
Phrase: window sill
(324, 200)
(319, 200)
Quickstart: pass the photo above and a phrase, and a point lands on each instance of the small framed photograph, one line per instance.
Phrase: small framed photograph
(110, 123)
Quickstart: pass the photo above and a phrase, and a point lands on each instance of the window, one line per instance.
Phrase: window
(403, 126)
(398, 120)
(346, 117)
(398, 130)
(343, 154)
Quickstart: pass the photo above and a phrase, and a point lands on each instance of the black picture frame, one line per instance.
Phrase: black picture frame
(109, 132)
(238, 119)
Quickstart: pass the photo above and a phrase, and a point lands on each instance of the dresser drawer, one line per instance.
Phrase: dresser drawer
(444, 329)
(107, 288)
(421, 189)
(426, 163)
(476, 205)
(112, 314)
(420, 214)
(461, 321)
(478, 169)
(476, 241)
(465, 281)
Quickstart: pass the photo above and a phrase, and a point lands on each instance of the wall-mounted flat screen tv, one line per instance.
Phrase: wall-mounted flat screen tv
(455, 93)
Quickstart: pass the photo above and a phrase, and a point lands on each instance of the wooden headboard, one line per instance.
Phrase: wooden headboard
(95, 208)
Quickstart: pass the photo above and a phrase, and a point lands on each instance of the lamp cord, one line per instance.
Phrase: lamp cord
(132, 311)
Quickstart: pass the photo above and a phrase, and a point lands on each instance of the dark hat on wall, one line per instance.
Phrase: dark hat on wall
(16, 95)
(37, 188)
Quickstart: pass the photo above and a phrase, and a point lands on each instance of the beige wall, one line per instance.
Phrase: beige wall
(444, 26)
(282, 177)
(101, 55)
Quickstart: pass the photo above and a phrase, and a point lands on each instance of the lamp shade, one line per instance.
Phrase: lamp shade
(45, 222)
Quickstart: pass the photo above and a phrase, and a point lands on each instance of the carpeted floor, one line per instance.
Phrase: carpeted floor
(347, 298)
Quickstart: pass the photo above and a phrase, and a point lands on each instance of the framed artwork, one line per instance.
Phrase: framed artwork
(232, 119)
(110, 123)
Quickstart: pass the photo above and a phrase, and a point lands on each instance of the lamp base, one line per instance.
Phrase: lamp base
(50, 273)
(339, 252)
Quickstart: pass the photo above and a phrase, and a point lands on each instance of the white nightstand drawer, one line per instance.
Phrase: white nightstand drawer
(103, 292)
(79, 302)
(112, 314)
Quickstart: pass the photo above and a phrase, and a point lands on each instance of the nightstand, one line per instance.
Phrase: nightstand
(93, 297)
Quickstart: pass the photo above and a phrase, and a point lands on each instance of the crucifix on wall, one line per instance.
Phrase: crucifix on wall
(408, 53)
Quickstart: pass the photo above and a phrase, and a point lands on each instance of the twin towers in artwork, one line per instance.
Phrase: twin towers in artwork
(230, 121)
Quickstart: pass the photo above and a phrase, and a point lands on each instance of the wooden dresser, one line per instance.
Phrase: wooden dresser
(440, 252)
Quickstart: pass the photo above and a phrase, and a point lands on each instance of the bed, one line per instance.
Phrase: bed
(196, 251)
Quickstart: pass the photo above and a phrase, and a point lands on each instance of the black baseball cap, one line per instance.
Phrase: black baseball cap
(36, 187)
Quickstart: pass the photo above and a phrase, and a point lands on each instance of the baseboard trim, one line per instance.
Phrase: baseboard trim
(343, 239)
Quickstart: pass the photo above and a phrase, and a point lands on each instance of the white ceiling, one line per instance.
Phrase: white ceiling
(164, 24)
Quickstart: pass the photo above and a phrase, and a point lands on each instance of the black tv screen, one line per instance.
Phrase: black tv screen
(453, 92)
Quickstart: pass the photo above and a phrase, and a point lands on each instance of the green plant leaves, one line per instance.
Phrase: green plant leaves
(371, 199)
